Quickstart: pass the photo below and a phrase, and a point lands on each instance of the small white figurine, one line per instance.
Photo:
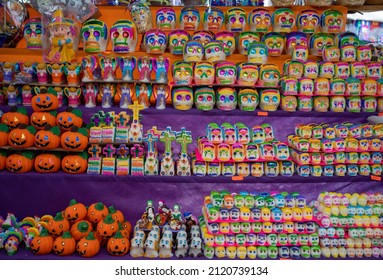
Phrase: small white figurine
(151, 247)
(195, 247)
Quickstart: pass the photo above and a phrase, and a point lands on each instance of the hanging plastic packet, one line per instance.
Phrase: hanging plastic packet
(141, 15)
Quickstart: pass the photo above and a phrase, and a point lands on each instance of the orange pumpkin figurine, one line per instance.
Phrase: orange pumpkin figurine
(49, 138)
(107, 227)
(3, 134)
(45, 101)
(3, 159)
(75, 164)
(116, 214)
(64, 245)
(118, 245)
(88, 246)
(48, 163)
(58, 225)
(40, 119)
(15, 117)
(81, 229)
(76, 211)
(22, 137)
(97, 212)
(42, 244)
(75, 140)
(71, 117)
(20, 162)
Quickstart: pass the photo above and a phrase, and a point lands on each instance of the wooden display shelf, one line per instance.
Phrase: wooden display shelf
(366, 8)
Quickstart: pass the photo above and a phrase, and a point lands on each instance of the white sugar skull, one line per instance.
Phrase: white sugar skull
(124, 37)
(94, 34)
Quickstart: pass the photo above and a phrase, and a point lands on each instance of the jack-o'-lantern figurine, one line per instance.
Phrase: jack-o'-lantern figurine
(69, 118)
(214, 52)
(75, 140)
(193, 51)
(189, 18)
(204, 73)
(118, 245)
(269, 100)
(182, 98)
(155, 41)
(259, 20)
(203, 36)
(204, 98)
(22, 137)
(245, 39)
(124, 37)
(257, 53)
(318, 41)
(42, 244)
(48, 162)
(308, 21)
(166, 19)
(58, 225)
(94, 35)
(75, 163)
(225, 73)
(228, 40)
(295, 39)
(347, 38)
(235, 20)
(275, 43)
(32, 33)
(332, 21)
(248, 99)
(269, 75)
(4, 129)
(20, 162)
(213, 19)
(15, 117)
(283, 20)
(45, 101)
(177, 39)
(226, 99)
(3, 159)
(182, 73)
(247, 74)
(48, 138)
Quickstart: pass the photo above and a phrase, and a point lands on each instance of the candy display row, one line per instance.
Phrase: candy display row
(342, 252)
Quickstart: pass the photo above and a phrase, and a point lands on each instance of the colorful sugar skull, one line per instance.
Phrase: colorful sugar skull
(289, 85)
(257, 53)
(247, 74)
(326, 69)
(204, 98)
(189, 18)
(245, 39)
(257, 169)
(374, 70)
(226, 99)
(271, 169)
(225, 73)
(228, 40)
(155, 41)
(283, 20)
(337, 86)
(305, 86)
(310, 70)
(342, 70)
(269, 75)
(321, 86)
(347, 38)
(269, 100)
(275, 43)
(32, 33)
(286, 168)
(294, 39)
(363, 54)
(259, 20)
(348, 53)
(182, 98)
(94, 35)
(369, 86)
(235, 20)
(308, 21)
(193, 51)
(289, 103)
(203, 36)
(358, 70)
(248, 99)
(369, 104)
(318, 41)
(166, 19)
(204, 73)
(124, 37)
(177, 39)
(213, 19)
(331, 53)
(293, 68)
(182, 73)
(332, 21)
(214, 51)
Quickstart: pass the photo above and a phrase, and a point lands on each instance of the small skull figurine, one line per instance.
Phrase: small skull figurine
(332, 21)
(259, 20)
(226, 99)
(257, 53)
(308, 21)
(214, 52)
(193, 51)
(177, 40)
(124, 37)
(269, 75)
(32, 33)
(166, 19)
(182, 73)
(204, 98)
(189, 18)
(94, 35)
(228, 40)
(225, 73)
(275, 43)
(204, 73)
(295, 39)
(247, 74)
(318, 41)
(248, 99)
(245, 39)
(213, 19)
(203, 36)
(283, 20)
(155, 41)
(269, 100)
(182, 98)
(235, 20)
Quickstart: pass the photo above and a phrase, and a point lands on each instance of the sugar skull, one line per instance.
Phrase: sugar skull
(213, 19)
(259, 20)
(166, 19)
(363, 54)
(182, 73)
(310, 70)
(283, 20)
(182, 98)
(342, 70)
(286, 168)
(124, 37)
(226, 73)
(204, 98)
(257, 53)
(245, 39)
(275, 43)
(294, 39)
(269, 75)
(321, 86)
(177, 39)
(347, 38)
(226, 99)
(293, 68)
(318, 41)
(32, 33)
(269, 100)
(94, 35)
(189, 18)
(289, 85)
(204, 73)
(247, 74)
(308, 21)
(252, 152)
(193, 51)
(155, 41)
(248, 99)
(235, 20)
(203, 36)
(257, 169)
(228, 40)
(374, 70)
(348, 53)
(326, 69)
(331, 53)
(332, 21)
(214, 51)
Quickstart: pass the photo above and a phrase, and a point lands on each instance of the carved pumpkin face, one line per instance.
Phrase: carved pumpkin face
(3, 134)
(45, 102)
(75, 164)
(40, 119)
(22, 137)
(48, 163)
(116, 214)
(107, 227)
(80, 229)
(58, 225)
(20, 163)
(88, 246)
(97, 212)
(75, 211)
(49, 138)
(15, 117)
(118, 245)
(75, 140)
(42, 244)
(64, 245)
(71, 117)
